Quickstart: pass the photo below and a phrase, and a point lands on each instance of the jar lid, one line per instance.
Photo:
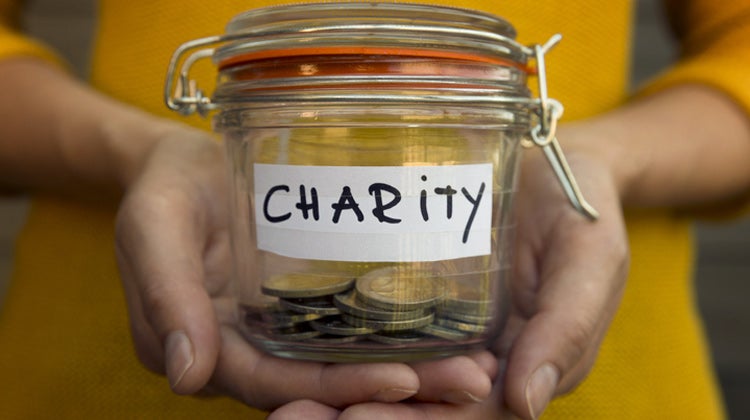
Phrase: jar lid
(312, 29)
(401, 29)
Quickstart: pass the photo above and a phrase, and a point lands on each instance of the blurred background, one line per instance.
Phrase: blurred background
(723, 271)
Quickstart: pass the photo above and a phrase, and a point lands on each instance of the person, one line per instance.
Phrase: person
(107, 164)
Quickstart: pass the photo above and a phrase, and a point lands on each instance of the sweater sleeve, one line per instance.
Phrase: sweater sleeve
(715, 47)
(714, 39)
(13, 43)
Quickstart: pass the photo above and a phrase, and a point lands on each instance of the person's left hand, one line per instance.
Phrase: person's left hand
(173, 253)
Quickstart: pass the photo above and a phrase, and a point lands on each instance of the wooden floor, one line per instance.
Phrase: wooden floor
(723, 273)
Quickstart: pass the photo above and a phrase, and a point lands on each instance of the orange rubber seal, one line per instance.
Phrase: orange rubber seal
(364, 50)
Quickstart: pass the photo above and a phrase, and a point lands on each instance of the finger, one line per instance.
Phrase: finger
(267, 382)
(491, 408)
(575, 302)
(147, 344)
(304, 409)
(487, 361)
(585, 363)
(162, 245)
(456, 380)
(512, 328)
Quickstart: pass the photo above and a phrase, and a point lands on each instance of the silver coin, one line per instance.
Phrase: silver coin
(398, 337)
(464, 317)
(336, 326)
(305, 285)
(443, 332)
(296, 333)
(320, 306)
(379, 325)
(400, 289)
(350, 304)
(468, 297)
(329, 339)
(460, 326)
(288, 319)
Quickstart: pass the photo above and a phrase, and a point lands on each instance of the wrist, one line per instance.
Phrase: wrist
(129, 140)
(599, 141)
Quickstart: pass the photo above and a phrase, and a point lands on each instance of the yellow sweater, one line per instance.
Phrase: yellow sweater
(65, 350)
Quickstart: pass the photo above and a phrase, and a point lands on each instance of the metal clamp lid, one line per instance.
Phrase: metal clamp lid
(183, 96)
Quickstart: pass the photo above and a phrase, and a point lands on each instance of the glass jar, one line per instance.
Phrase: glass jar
(373, 152)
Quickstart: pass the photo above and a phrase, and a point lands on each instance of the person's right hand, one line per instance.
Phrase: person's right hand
(173, 253)
(569, 277)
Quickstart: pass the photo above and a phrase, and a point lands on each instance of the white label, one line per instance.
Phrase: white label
(374, 213)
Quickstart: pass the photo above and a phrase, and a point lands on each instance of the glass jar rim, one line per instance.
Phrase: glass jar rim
(267, 18)
(412, 28)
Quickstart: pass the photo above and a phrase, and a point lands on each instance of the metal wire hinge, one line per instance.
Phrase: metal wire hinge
(543, 135)
(182, 95)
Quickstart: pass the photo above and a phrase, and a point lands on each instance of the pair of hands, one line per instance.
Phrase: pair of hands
(173, 251)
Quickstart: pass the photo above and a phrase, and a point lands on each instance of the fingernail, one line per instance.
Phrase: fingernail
(389, 395)
(179, 353)
(460, 397)
(540, 388)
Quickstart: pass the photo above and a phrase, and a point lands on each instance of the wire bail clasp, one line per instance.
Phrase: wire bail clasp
(181, 93)
(544, 135)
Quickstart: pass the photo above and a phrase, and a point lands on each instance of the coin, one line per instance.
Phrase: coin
(443, 332)
(464, 317)
(460, 326)
(388, 325)
(397, 289)
(397, 337)
(467, 297)
(334, 325)
(288, 319)
(301, 285)
(350, 304)
(296, 333)
(334, 339)
(319, 305)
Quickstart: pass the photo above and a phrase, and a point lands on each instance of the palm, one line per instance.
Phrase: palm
(569, 276)
(173, 252)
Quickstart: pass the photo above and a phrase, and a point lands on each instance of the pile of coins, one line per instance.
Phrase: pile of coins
(388, 305)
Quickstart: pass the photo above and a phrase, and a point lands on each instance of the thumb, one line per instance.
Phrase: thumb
(574, 305)
(159, 246)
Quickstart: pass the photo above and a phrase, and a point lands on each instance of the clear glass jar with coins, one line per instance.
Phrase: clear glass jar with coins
(373, 160)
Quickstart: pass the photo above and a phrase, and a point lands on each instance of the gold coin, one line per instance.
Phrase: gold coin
(460, 326)
(399, 289)
(282, 319)
(466, 317)
(350, 304)
(295, 333)
(329, 339)
(334, 325)
(468, 297)
(443, 332)
(398, 337)
(302, 285)
(318, 305)
(390, 326)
